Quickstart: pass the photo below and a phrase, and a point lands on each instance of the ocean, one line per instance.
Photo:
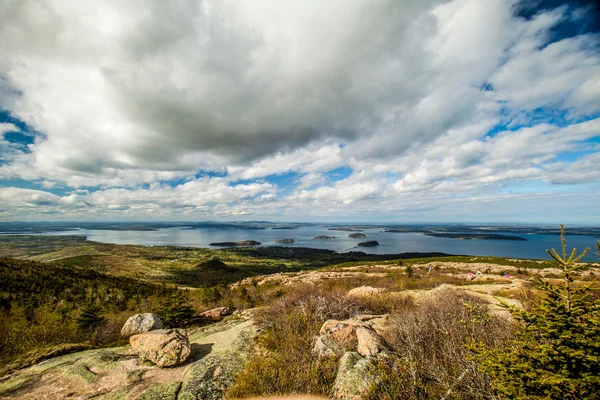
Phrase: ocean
(389, 242)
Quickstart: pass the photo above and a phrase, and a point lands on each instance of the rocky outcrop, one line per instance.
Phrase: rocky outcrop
(363, 291)
(219, 352)
(285, 241)
(164, 347)
(141, 323)
(321, 237)
(369, 343)
(352, 334)
(355, 377)
(210, 377)
(369, 243)
(327, 346)
(343, 332)
(216, 313)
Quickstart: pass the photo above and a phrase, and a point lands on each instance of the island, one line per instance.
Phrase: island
(323, 237)
(357, 236)
(475, 236)
(346, 229)
(369, 243)
(285, 241)
(237, 244)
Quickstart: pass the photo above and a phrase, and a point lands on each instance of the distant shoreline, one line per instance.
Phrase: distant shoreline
(475, 236)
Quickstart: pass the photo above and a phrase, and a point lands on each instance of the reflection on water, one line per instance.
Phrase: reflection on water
(534, 247)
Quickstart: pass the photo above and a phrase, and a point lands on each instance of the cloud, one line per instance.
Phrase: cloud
(191, 108)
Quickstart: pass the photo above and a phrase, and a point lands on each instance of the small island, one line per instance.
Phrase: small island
(346, 229)
(475, 236)
(285, 241)
(369, 243)
(323, 237)
(357, 236)
(237, 244)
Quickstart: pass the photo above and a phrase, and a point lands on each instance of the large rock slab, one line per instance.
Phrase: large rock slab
(117, 373)
(163, 347)
(210, 377)
(141, 323)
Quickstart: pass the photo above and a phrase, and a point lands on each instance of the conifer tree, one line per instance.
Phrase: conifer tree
(556, 353)
(176, 311)
(89, 316)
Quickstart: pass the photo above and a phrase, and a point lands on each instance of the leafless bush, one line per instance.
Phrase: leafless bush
(285, 363)
(429, 357)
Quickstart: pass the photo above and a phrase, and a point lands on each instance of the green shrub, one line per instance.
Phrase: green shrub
(176, 311)
(89, 317)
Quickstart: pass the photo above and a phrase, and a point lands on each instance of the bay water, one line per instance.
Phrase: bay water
(389, 242)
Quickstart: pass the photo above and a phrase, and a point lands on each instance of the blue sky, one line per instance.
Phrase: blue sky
(388, 111)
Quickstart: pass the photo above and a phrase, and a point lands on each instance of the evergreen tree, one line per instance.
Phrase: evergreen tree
(176, 311)
(89, 317)
(556, 353)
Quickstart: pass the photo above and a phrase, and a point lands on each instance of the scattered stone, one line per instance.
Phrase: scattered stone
(285, 241)
(216, 313)
(327, 346)
(369, 243)
(164, 347)
(357, 236)
(141, 323)
(355, 377)
(369, 342)
(363, 291)
(244, 314)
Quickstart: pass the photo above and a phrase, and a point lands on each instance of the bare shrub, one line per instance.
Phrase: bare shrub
(284, 362)
(429, 358)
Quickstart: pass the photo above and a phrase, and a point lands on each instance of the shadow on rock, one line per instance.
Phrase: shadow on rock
(200, 351)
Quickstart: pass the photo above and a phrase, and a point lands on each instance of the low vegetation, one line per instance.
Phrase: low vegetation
(43, 305)
(284, 362)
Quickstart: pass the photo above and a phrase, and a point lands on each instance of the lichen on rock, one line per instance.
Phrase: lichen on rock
(141, 323)
(163, 347)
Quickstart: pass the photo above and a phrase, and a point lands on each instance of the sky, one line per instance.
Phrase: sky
(385, 111)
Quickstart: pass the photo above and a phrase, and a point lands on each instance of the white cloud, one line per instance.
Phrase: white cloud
(134, 105)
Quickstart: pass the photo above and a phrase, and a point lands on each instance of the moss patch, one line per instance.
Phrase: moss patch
(168, 391)
(10, 385)
(80, 371)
